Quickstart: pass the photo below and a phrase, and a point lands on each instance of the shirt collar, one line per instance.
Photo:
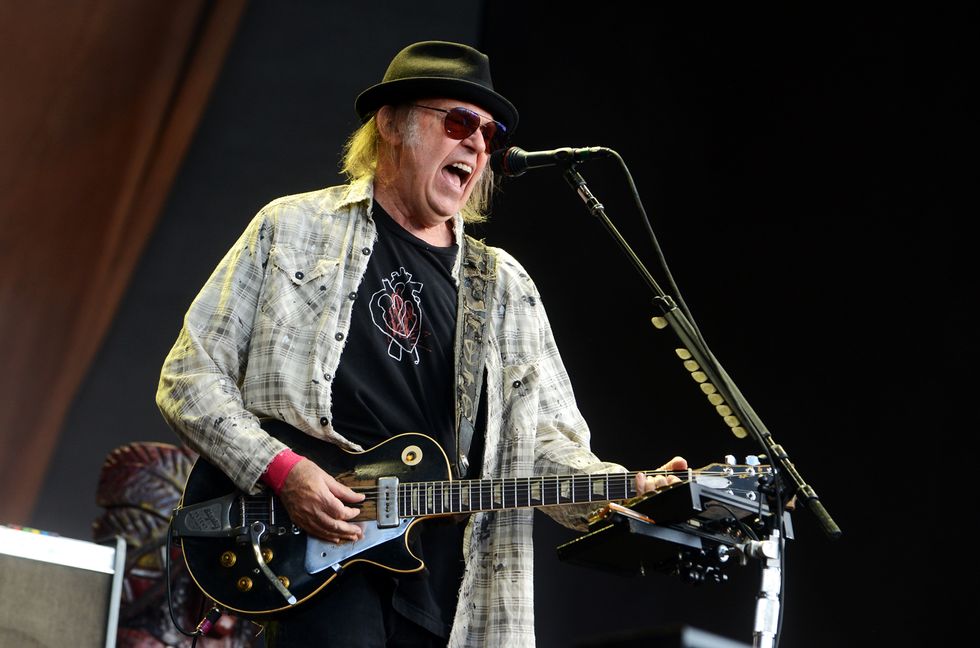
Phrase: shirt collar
(361, 190)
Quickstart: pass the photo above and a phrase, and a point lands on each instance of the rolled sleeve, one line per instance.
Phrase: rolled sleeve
(199, 393)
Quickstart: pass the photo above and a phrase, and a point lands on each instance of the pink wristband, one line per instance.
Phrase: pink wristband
(275, 475)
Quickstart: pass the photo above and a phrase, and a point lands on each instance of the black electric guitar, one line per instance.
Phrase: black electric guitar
(244, 552)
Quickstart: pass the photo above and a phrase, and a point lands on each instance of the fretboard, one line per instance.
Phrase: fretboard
(468, 496)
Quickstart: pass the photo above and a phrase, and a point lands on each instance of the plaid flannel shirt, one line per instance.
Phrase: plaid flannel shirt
(266, 333)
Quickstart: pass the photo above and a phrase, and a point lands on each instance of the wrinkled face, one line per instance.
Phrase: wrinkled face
(436, 173)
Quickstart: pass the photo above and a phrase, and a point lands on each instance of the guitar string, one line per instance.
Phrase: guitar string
(551, 487)
(553, 481)
(556, 481)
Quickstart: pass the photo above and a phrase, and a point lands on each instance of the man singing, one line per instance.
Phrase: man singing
(358, 312)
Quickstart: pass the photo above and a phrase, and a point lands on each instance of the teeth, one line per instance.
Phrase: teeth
(463, 166)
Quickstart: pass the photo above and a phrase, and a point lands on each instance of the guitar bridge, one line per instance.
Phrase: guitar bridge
(387, 502)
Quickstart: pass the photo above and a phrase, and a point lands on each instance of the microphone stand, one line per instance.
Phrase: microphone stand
(738, 415)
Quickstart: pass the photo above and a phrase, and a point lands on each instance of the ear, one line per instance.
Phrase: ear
(387, 122)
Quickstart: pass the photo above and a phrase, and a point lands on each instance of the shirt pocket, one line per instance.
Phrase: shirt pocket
(520, 397)
(299, 287)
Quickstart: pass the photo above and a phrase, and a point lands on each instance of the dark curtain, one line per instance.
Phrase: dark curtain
(99, 100)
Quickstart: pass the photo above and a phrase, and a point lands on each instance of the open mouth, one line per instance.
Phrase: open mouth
(459, 171)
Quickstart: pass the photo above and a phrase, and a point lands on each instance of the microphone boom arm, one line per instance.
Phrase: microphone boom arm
(743, 420)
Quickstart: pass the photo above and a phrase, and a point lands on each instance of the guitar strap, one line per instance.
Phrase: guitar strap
(479, 273)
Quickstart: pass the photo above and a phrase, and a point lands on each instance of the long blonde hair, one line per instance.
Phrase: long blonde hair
(360, 160)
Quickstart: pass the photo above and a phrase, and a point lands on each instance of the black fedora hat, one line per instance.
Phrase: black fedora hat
(438, 69)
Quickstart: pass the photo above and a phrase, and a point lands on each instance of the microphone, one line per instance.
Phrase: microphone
(513, 161)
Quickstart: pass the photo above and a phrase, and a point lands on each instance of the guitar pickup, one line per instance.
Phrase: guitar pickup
(387, 502)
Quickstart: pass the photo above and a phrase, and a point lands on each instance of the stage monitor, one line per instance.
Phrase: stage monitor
(57, 591)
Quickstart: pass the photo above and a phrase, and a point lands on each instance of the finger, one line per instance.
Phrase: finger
(646, 483)
(675, 464)
(334, 505)
(336, 509)
(349, 533)
(342, 491)
(340, 527)
(641, 483)
(333, 529)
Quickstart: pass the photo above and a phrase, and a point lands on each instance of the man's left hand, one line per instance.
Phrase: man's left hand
(663, 476)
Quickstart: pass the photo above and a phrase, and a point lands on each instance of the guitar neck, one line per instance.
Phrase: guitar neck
(473, 495)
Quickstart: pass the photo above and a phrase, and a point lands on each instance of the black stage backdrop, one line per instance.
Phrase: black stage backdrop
(793, 165)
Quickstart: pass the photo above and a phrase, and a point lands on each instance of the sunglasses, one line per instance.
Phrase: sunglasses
(460, 123)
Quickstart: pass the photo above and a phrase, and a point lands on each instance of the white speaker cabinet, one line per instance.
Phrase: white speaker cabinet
(57, 591)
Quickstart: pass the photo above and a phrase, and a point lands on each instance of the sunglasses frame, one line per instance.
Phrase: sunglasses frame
(494, 142)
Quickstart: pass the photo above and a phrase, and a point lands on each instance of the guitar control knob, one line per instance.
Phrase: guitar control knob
(267, 555)
(228, 559)
(284, 580)
(244, 584)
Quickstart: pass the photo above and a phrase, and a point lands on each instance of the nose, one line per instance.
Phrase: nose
(476, 141)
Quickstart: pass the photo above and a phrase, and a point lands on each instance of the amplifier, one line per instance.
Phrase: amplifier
(57, 591)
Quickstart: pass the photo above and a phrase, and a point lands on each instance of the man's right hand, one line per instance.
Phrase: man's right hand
(317, 503)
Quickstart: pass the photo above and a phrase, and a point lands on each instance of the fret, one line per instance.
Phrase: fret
(599, 487)
(465, 496)
(566, 492)
(524, 493)
(580, 490)
(534, 490)
(621, 479)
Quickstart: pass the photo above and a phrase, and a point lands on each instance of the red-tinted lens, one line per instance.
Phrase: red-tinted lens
(461, 123)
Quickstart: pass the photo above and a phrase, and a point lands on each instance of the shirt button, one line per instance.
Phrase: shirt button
(339, 337)
(365, 251)
(517, 383)
(352, 296)
(327, 377)
(299, 275)
(323, 420)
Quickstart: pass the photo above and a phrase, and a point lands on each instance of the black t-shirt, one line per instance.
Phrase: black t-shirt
(396, 376)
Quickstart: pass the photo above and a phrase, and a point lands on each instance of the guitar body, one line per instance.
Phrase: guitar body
(226, 569)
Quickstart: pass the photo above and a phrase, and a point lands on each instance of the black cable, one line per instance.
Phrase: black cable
(741, 525)
(170, 599)
(657, 250)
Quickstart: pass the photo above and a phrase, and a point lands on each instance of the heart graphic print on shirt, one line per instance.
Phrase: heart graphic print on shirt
(396, 310)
